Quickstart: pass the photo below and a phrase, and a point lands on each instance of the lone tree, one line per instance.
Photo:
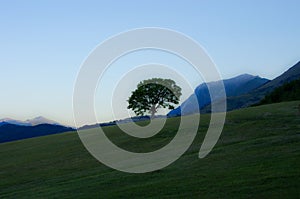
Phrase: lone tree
(152, 94)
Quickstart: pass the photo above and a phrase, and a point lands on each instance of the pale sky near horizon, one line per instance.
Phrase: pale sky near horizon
(43, 43)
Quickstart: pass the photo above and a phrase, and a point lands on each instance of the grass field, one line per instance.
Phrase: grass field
(257, 156)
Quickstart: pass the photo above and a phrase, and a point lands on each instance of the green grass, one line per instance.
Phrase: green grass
(257, 156)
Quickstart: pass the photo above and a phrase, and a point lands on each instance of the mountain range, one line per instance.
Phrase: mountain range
(236, 86)
(30, 122)
(241, 91)
(11, 132)
(11, 129)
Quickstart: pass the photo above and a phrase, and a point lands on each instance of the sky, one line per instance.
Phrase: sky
(44, 43)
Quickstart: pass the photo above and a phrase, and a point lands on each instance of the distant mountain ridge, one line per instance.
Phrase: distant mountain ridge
(30, 122)
(233, 87)
(242, 91)
(11, 129)
(41, 120)
(258, 94)
(13, 121)
(12, 132)
(291, 74)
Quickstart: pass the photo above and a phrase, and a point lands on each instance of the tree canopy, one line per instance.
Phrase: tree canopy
(152, 94)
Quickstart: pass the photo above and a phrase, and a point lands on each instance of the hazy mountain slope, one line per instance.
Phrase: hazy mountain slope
(258, 94)
(13, 121)
(291, 74)
(235, 86)
(11, 132)
(41, 120)
(30, 122)
(3, 123)
(248, 94)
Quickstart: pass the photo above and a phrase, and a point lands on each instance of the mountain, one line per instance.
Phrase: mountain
(12, 121)
(287, 92)
(256, 95)
(236, 86)
(291, 74)
(242, 91)
(11, 129)
(11, 132)
(3, 123)
(41, 120)
(30, 122)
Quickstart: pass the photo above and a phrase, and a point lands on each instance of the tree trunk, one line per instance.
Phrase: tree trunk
(153, 111)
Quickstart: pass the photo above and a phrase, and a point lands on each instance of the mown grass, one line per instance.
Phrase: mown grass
(257, 156)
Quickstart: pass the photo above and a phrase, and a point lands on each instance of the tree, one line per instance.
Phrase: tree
(152, 94)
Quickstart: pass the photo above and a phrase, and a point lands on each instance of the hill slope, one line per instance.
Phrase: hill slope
(287, 92)
(236, 86)
(11, 132)
(257, 156)
(12, 121)
(291, 74)
(256, 95)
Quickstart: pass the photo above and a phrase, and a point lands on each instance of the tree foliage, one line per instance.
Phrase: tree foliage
(152, 94)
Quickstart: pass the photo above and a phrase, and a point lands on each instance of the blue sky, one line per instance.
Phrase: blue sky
(43, 43)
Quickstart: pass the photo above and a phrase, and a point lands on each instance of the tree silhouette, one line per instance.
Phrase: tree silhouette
(152, 94)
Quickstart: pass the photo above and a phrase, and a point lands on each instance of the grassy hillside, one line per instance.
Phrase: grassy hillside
(257, 156)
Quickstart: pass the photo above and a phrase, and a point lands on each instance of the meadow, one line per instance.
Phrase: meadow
(257, 156)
